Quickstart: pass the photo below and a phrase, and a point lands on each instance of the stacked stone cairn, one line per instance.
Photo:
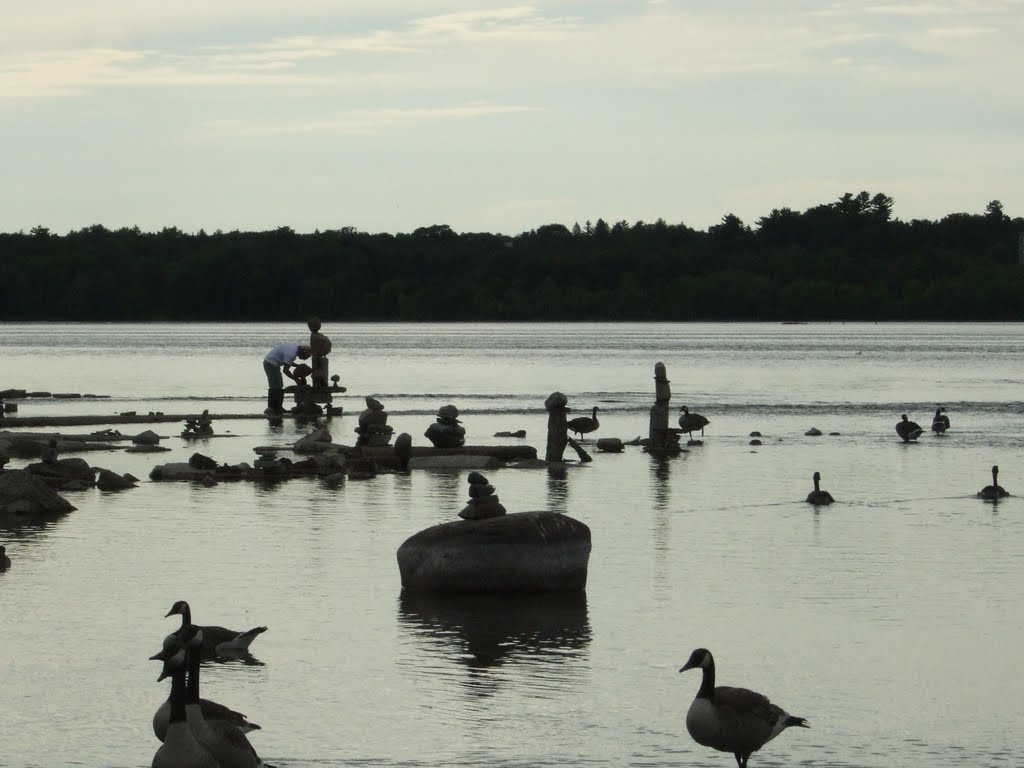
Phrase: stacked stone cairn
(373, 426)
(483, 502)
(447, 431)
(200, 426)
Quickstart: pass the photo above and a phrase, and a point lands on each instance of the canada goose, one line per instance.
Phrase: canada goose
(732, 719)
(994, 491)
(221, 739)
(688, 422)
(908, 430)
(940, 421)
(5, 561)
(180, 749)
(818, 497)
(582, 425)
(217, 641)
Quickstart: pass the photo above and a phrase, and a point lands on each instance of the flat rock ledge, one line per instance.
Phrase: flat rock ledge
(513, 553)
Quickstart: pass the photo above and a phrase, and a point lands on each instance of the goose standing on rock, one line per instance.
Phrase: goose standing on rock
(582, 425)
(907, 429)
(994, 491)
(940, 422)
(689, 422)
(217, 641)
(818, 497)
(733, 720)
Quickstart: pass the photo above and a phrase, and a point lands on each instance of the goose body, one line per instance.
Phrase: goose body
(211, 711)
(691, 422)
(5, 561)
(733, 720)
(180, 748)
(907, 429)
(940, 421)
(583, 425)
(818, 497)
(217, 641)
(994, 491)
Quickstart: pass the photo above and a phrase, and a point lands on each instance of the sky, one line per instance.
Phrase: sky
(389, 115)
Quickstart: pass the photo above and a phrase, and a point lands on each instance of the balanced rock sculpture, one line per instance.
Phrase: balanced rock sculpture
(373, 426)
(492, 551)
(447, 431)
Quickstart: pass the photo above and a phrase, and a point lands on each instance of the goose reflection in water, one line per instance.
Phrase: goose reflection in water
(487, 630)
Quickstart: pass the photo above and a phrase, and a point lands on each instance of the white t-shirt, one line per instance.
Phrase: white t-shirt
(282, 354)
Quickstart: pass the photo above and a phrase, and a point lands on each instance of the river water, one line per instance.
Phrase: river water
(891, 620)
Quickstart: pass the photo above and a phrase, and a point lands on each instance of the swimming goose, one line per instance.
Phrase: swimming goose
(217, 641)
(689, 422)
(940, 421)
(180, 749)
(225, 742)
(732, 719)
(994, 491)
(582, 425)
(5, 561)
(908, 430)
(818, 497)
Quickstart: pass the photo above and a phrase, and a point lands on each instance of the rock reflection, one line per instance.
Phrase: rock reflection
(482, 631)
(558, 487)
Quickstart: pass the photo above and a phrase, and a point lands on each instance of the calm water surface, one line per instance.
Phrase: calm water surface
(891, 620)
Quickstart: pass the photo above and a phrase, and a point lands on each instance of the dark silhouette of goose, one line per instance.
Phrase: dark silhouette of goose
(583, 425)
(5, 561)
(689, 422)
(908, 430)
(818, 497)
(217, 641)
(994, 491)
(940, 422)
(735, 720)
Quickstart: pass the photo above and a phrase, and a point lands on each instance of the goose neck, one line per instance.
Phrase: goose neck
(707, 681)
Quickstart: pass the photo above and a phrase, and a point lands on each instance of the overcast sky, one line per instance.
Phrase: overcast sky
(388, 115)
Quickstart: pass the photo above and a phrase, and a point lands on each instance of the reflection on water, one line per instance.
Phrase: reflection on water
(483, 631)
(558, 488)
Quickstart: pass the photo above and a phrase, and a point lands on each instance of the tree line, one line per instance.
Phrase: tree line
(843, 260)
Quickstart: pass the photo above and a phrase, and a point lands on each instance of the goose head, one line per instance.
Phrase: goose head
(172, 664)
(700, 658)
(181, 608)
(180, 638)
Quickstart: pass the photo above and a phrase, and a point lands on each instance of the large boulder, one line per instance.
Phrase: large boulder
(26, 498)
(519, 552)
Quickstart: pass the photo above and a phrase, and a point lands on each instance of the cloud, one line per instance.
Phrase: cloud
(363, 121)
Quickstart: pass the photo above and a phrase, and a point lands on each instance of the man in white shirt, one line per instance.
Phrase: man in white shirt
(279, 361)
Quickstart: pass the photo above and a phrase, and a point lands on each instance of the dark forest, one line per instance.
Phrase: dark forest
(844, 260)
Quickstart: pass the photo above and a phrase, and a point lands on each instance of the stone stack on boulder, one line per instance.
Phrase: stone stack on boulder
(483, 502)
(373, 429)
(447, 431)
(491, 551)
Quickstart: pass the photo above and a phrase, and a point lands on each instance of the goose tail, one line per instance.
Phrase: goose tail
(249, 635)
